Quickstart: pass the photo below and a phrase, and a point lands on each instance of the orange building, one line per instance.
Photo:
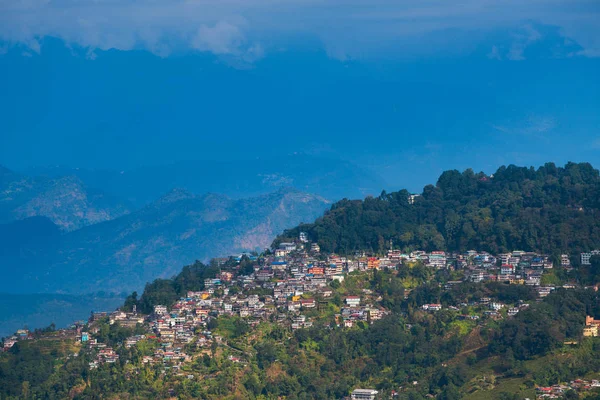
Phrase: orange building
(316, 270)
(373, 263)
(591, 321)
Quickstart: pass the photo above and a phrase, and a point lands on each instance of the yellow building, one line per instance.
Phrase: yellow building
(590, 331)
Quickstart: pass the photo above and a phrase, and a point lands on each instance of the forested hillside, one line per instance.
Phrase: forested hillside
(550, 209)
(413, 353)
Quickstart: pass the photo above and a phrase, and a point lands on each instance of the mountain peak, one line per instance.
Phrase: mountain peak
(175, 194)
(288, 190)
(295, 193)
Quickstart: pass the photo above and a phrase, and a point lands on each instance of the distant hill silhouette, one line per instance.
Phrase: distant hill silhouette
(65, 200)
(326, 177)
(123, 254)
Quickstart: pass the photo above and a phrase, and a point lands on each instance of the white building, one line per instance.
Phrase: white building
(585, 257)
(303, 237)
(507, 269)
(437, 259)
(287, 247)
(412, 198)
(477, 276)
(353, 301)
(431, 307)
(364, 394)
(160, 310)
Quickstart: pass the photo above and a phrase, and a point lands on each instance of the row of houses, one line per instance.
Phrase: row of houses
(558, 391)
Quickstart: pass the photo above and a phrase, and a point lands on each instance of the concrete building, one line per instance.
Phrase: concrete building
(364, 394)
(585, 257)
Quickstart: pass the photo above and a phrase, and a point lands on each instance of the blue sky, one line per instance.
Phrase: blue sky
(407, 88)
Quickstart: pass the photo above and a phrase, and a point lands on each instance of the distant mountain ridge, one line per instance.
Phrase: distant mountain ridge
(66, 200)
(330, 178)
(123, 254)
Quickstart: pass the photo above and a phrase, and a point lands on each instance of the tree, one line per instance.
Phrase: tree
(595, 269)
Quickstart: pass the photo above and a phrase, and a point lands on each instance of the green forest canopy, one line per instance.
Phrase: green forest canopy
(551, 209)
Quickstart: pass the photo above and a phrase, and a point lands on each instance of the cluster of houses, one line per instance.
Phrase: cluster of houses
(292, 283)
(558, 391)
(353, 311)
(104, 354)
(516, 267)
(295, 279)
(487, 307)
(21, 334)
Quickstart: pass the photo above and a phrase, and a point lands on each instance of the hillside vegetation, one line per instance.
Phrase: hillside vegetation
(418, 354)
(551, 209)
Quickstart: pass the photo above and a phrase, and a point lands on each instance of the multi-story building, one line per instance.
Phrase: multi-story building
(364, 394)
(353, 301)
(160, 310)
(437, 259)
(585, 257)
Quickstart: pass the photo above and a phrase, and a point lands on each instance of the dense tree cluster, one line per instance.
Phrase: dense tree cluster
(168, 291)
(544, 326)
(551, 209)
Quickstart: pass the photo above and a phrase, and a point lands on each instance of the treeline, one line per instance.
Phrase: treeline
(551, 209)
(168, 291)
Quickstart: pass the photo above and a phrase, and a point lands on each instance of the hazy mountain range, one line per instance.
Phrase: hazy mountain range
(65, 200)
(327, 177)
(72, 230)
(70, 238)
(123, 254)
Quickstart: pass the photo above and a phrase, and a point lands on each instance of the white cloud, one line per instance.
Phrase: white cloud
(222, 38)
(532, 125)
(523, 39)
(347, 28)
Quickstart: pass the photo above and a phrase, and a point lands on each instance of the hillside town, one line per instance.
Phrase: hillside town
(293, 285)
